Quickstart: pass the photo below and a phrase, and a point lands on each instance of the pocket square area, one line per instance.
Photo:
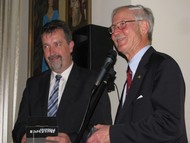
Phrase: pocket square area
(139, 97)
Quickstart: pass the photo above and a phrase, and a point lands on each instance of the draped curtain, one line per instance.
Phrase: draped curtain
(10, 52)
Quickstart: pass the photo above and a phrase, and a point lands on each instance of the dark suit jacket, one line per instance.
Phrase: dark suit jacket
(154, 108)
(72, 105)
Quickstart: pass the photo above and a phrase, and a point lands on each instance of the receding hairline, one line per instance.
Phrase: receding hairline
(128, 7)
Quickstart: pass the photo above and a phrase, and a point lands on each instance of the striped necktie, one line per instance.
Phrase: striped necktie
(53, 100)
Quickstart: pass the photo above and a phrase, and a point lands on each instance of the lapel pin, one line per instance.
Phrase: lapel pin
(139, 76)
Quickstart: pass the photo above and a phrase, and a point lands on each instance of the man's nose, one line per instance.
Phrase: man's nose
(52, 50)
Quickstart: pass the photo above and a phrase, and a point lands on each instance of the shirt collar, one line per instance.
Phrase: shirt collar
(64, 74)
(134, 62)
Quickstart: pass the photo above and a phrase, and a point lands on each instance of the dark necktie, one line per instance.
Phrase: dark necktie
(53, 100)
(128, 84)
(129, 79)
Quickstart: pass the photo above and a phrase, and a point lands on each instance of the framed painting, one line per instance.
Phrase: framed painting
(77, 13)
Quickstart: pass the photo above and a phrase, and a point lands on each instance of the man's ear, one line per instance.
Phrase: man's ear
(71, 46)
(144, 26)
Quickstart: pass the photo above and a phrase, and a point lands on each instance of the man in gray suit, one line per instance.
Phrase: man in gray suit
(74, 89)
(152, 111)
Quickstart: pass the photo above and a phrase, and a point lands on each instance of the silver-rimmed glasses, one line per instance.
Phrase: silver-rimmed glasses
(120, 25)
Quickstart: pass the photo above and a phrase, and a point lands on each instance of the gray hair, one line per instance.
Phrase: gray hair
(141, 13)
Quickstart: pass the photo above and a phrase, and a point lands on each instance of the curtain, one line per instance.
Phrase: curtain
(9, 65)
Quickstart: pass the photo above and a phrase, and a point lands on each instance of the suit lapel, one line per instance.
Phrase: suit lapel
(119, 109)
(135, 86)
(69, 93)
(44, 92)
(136, 83)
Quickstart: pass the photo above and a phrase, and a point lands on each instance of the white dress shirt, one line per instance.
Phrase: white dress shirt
(62, 82)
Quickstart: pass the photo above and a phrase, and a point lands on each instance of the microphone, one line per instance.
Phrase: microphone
(108, 64)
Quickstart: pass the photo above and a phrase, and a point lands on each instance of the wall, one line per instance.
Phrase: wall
(171, 35)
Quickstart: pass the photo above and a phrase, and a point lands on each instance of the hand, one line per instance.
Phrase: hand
(61, 138)
(23, 139)
(101, 135)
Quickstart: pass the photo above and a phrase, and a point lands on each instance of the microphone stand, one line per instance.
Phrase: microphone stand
(97, 91)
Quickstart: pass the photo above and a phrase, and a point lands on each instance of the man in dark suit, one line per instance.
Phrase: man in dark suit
(151, 110)
(75, 87)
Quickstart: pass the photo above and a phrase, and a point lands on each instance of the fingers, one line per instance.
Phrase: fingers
(101, 135)
(98, 126)
(23, 139)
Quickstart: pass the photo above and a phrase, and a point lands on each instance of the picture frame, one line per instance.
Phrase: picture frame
(78, 13)
(40, 13)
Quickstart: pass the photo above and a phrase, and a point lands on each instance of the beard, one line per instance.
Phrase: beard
(55, 62)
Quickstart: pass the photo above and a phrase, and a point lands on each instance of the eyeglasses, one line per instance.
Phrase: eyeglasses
(120, 25)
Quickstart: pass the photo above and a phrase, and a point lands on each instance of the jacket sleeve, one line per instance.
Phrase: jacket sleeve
(19, 128)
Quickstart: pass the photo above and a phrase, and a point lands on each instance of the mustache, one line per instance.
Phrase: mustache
(117, 37)
(54, 57)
